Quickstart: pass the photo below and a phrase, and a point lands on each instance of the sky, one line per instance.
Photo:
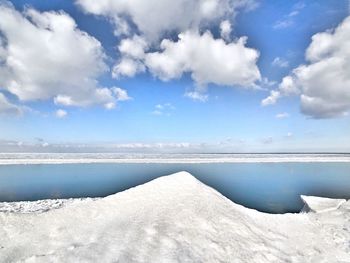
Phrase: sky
(174, 76)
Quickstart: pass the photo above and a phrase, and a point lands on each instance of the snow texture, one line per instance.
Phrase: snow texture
(174, 218)
(38, 206)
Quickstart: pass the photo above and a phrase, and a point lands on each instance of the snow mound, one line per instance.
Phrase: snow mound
(174, 218)
(320, 204)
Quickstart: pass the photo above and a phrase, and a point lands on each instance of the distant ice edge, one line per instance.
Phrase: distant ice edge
(175, 160)
(80, 158)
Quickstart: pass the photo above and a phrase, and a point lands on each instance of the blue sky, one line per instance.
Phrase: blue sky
(154, 111)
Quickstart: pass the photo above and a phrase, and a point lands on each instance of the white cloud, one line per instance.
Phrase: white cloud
(132, 51)
(225, 29)
(272, 99)
(61, 113)
(45, 56)
(154, 18)
(97, 96)
(121, 94)
(282, 115)
(286, 88)
(110, 105)
(197, 95)
(127, 67)
(133, 47)
(283, 23)
(280, 62)
(288, 20)
(8, 108)
(324, 83)
(163, 109)
(208, 60)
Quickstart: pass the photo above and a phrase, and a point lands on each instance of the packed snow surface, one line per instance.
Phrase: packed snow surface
(174, 218)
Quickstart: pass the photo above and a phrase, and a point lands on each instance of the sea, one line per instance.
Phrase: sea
(269, 183)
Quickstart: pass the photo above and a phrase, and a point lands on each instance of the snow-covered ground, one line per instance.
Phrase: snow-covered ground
(60, 158)
(174, 218)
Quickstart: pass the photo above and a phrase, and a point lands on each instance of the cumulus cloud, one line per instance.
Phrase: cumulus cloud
(324, 82)
(153, 18)
(149, 44)
(133, 47)
(121, 94)
(127, 67)
(61, 113)
(209, 60)
(45, 56)
(132, 52)
(225, 29)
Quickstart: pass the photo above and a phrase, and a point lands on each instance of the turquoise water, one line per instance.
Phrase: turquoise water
(268, 187)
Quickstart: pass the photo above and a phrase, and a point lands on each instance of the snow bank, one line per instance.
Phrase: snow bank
(172, 219)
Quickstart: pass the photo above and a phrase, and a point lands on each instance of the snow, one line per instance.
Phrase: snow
(38, 206)
(321, 204)
(174, 218)
(68, 158)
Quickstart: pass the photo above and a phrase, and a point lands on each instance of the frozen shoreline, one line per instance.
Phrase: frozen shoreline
(71, 158)
(174, 218)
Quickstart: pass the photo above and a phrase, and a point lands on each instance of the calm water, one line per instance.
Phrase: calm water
(269, 187)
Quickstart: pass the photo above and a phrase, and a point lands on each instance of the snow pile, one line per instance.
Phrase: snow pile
(172, 219)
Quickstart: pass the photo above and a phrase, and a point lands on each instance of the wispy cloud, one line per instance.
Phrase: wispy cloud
(280, 62)
(163, 109)
(289, 19)
(282, 115)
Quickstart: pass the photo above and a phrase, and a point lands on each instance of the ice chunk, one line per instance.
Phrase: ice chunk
(320, 204)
